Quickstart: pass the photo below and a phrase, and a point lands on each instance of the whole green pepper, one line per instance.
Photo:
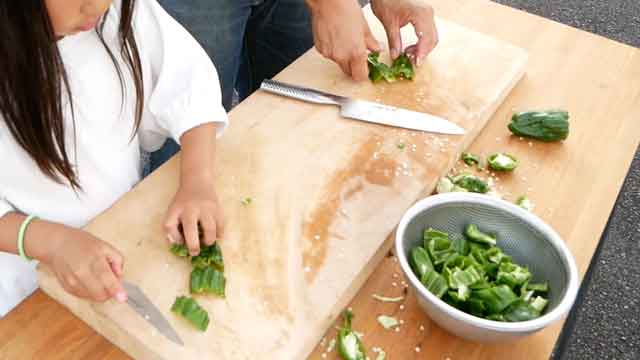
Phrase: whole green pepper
(502, 162)
(350, 346)
(190, 310)
(550, 125)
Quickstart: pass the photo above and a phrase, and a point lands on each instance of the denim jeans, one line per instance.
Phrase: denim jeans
(248, 41)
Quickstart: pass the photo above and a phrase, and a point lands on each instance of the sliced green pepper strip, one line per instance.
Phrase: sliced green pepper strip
(474, 234)
(539, 303)
(502, 162)
(435, 283)
(190, 310)
(496, 298)
(461, 246)
(207, 280)
(420, 261)
(512, 275)
(350, 346)
(539, 287)
(520, 310)
(471, 183)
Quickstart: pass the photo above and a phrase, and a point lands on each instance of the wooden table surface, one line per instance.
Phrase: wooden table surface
(574, 186)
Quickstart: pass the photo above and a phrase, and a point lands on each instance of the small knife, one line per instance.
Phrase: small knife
(145, 308)
(366, 110)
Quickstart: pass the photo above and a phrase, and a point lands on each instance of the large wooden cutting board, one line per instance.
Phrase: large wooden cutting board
(326, 193)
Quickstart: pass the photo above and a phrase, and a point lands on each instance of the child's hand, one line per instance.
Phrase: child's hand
(195, 202)
(86, 266)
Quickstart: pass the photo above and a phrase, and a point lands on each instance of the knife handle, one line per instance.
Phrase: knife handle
(300, 93)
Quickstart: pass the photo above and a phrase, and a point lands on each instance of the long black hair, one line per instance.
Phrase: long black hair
(33, 79)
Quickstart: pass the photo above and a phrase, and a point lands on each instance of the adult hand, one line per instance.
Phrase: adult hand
(342, 34)
(394, 14)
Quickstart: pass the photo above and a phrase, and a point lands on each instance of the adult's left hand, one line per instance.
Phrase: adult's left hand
(394, 14)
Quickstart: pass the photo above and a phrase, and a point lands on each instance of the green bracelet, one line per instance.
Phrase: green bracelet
(23, 230)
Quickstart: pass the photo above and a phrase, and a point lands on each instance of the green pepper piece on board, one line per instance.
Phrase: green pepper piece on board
(502, 162)
(470, 159)
(207, 280)
(471, 183)
(350, 346)
(548, 125)
(209, 256)
(402, 67)
(379, 71)
(190, 310)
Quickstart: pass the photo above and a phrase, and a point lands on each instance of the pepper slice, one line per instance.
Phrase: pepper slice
(470, 159)
(191, 310)
(502, 162)
(474, 234)
(207, 280)
(179, 250)
(209, 256)
(350, 346)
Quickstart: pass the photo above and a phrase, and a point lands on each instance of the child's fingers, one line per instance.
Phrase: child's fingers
(210, 228)
(171, 226)
(190, 228)
(110, 283)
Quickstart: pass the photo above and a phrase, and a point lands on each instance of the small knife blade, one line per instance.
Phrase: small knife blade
(141, 304)
(365, 110)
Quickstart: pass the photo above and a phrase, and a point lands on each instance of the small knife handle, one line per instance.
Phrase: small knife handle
(300, 93)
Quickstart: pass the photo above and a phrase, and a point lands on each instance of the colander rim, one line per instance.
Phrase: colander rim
(554, 239)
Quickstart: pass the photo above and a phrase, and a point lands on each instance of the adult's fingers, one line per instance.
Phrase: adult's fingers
(220, 224)
(372, 43)
(110, 283)
(395, 39)
(359, 67)
(189, 220)
(425, 27)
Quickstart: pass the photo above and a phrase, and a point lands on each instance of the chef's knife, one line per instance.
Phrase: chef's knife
(145, 308)
(365, 110)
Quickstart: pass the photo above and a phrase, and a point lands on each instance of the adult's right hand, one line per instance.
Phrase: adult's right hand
(342, 34)
(86, 266)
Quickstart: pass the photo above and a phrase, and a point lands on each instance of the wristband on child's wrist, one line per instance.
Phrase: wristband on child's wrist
(21, 233)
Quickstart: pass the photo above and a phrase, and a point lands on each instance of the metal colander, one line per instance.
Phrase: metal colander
(520, 234)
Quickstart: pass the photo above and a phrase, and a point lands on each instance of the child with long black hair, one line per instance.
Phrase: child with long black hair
(84, 85)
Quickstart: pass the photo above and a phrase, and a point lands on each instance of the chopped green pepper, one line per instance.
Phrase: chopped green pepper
(209, 256)
(179, 250)
(550, 125)
(350, 346)
(476, 276)
(190, 310)
(524, 202)
(401, 68)
(474, 234)
(502, 162)
(420, 261)
(207, 280)
(471, 183)
(470, 159)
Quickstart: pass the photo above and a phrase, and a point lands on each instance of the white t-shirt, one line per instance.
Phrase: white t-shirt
(182, 91)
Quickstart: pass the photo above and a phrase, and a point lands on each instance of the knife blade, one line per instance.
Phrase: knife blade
(366, 110)
(141, 304)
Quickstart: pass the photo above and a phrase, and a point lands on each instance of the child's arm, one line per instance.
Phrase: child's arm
(84, 265)
(196, 199)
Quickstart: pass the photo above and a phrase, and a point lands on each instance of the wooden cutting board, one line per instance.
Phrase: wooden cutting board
(326, 193)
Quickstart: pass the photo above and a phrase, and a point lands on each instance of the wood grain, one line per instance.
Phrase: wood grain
(317, 182)
(574, 186)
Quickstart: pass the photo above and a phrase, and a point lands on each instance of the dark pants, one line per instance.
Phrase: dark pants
(248, 41)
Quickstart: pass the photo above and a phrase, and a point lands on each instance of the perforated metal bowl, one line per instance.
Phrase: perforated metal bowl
(521, 234)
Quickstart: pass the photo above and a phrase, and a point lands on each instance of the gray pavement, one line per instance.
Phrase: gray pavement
(605, 323)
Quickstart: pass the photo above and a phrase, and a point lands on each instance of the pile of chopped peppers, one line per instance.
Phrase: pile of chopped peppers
(207, 277)
(472, 274)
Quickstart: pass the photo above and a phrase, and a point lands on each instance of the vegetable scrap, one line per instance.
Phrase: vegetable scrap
(388, 322)
(525, 203)
(246, 201)
(546, 125)
(350, 345)
(470, 159)
(473, 275)
(387, 299)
